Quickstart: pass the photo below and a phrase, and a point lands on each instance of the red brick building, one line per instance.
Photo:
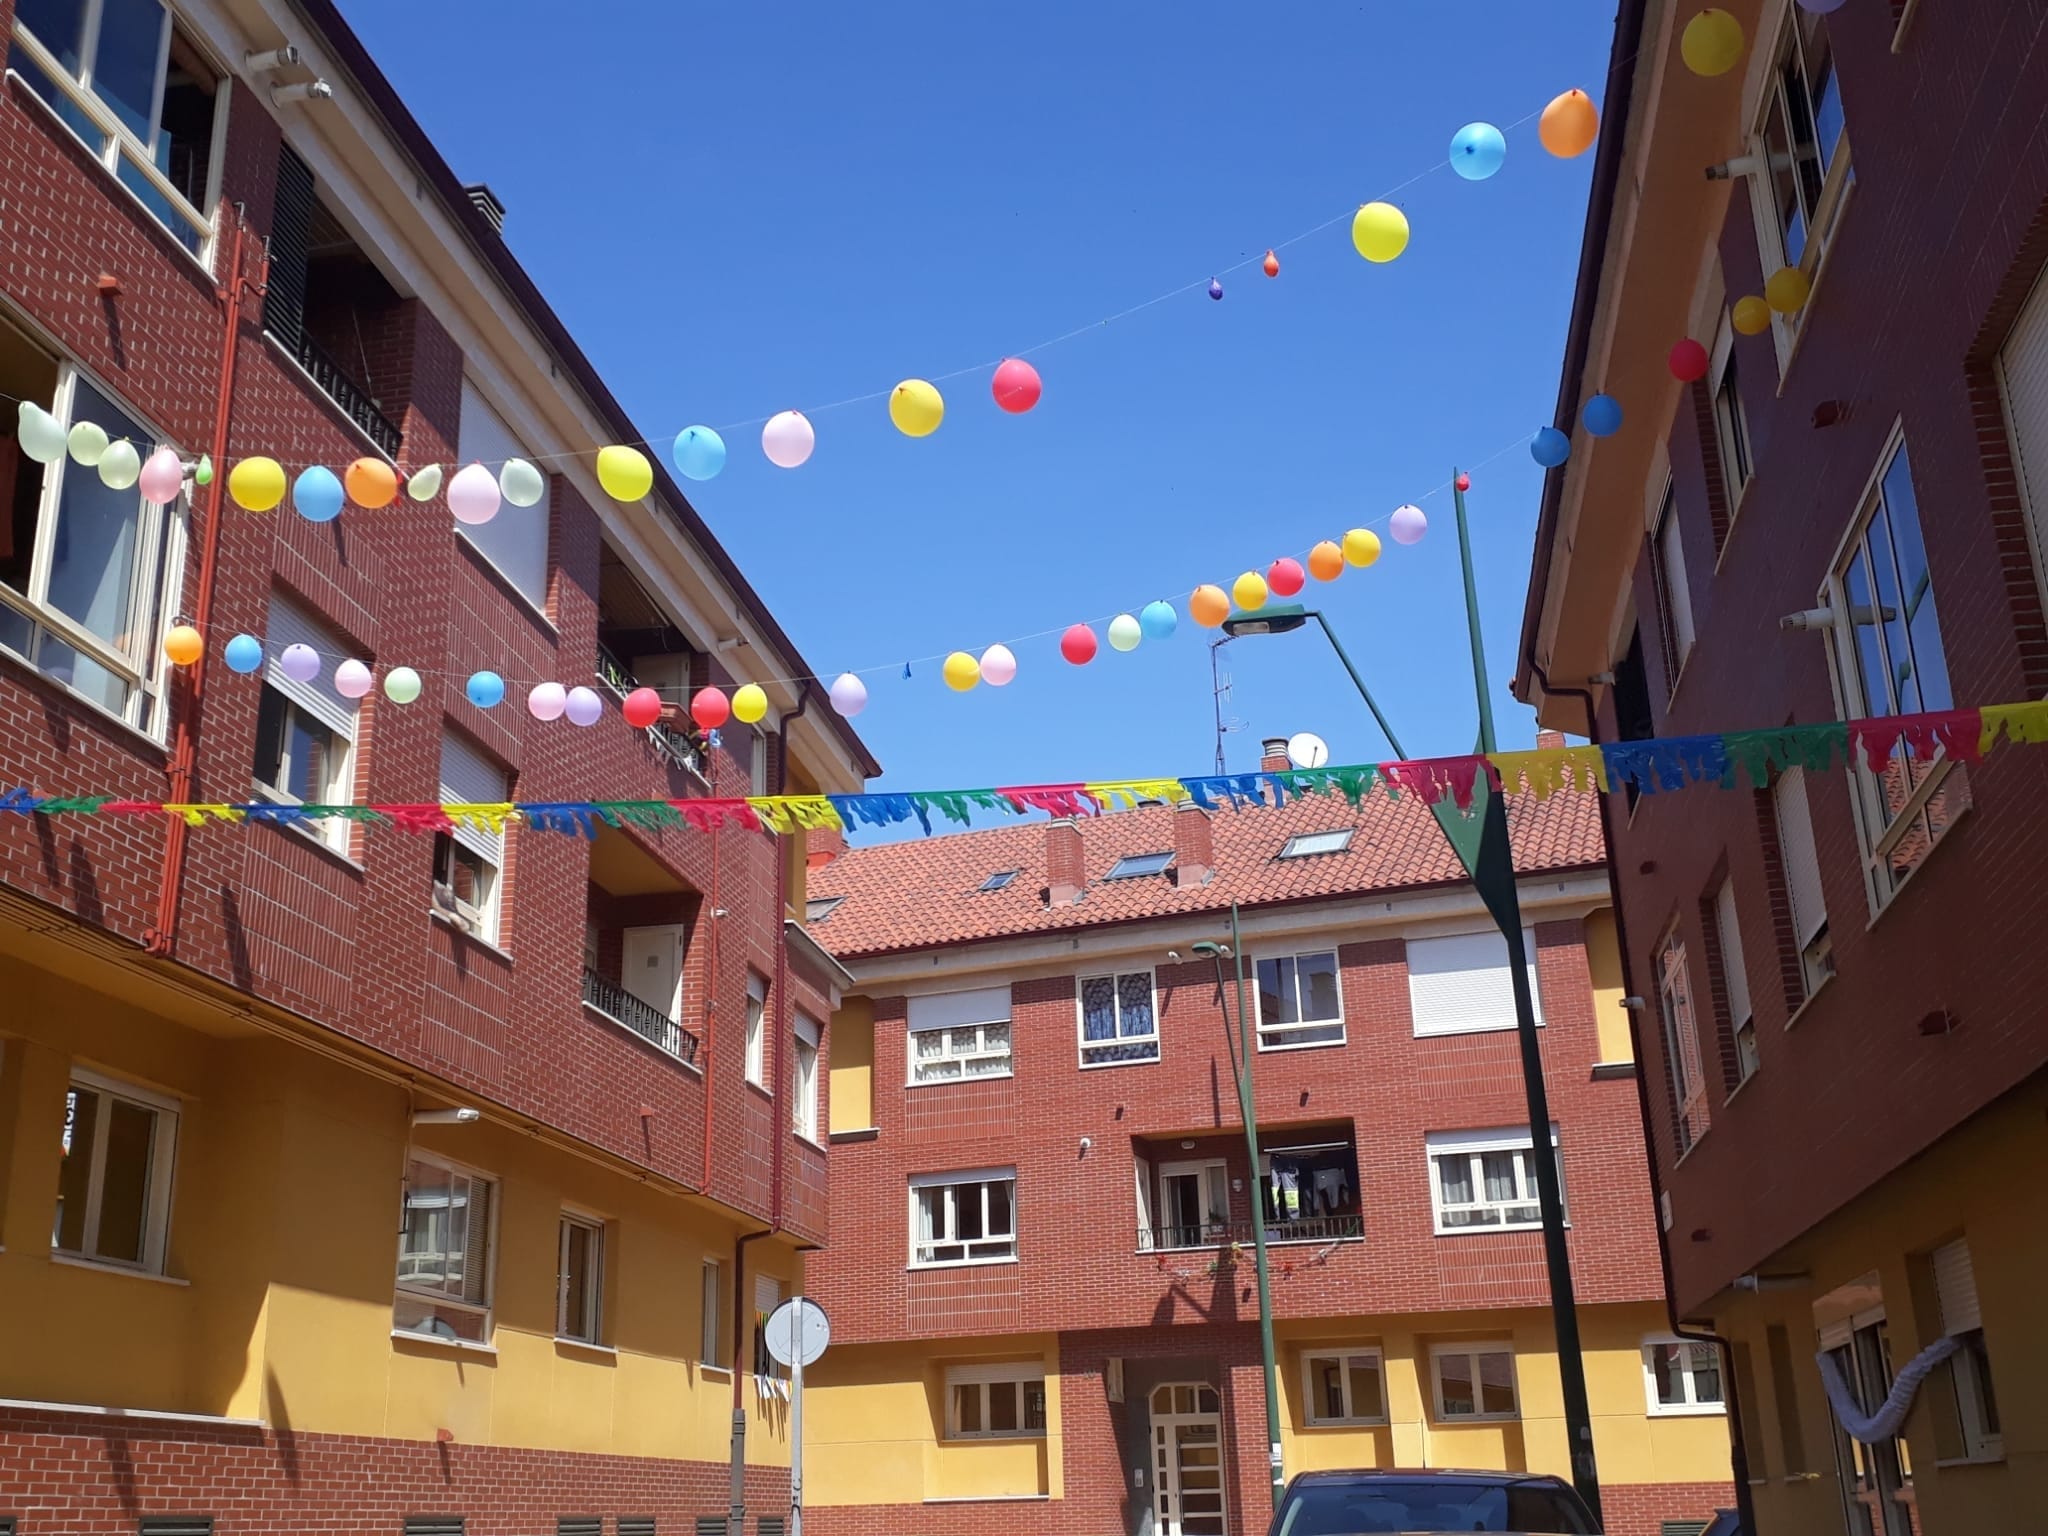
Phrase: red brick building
(1040, 1275)
(1844, 517)
(246, 1070)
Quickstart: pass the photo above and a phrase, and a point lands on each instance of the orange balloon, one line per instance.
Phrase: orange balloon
(1326, 561)
(370, 483)
(1569, 125)
(183, 645)
(1209, 606)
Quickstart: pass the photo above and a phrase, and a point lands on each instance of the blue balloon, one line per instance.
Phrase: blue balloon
(244, 653)
(1477, 150)
(699, 453)
(1602, 415)
(1550, 447)
(316, 495)
(485, 689)
(1157, 620)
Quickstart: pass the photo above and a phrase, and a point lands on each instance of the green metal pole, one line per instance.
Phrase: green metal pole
(1251, 1141)
(1486, 743)
(1358, 682)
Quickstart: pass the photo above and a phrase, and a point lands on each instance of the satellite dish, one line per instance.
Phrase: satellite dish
(1307, 750)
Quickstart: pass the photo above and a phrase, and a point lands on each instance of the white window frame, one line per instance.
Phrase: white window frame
(1473, 1145)
(1121, 1040)
(964, 1041)
(290, 621)
(155, 582)
(1283, 1037)
(163, 1153)
(122, 144)
(757, 1032)
(757, 761)
(1795, 821)
(1506, 1021)
(1674, 594)
(1294, 847)
(482, 918)
(803, 1078)
(1019, 1376)
(1693, 1406)
(440, 1298)
(1472, 1353)
(1679, 1015)
(943, 1233)
(588, 1329)
(1342, 1358)
(1732, 441)
(711, 1316)
(1735, 980)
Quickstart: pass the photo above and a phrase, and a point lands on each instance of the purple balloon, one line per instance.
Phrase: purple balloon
(583, 707)
(1408, 525)
(300, 663)
(1215, 289)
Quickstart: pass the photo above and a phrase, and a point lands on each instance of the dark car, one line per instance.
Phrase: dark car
(1399, 1503)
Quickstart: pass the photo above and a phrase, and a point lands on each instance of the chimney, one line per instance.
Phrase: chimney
(486, 203)
(1066, 876)
(1549, 741)
(1273, 755)
(822, 845)
(1194, 845)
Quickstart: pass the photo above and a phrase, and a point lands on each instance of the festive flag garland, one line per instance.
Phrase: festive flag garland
(1731, 760)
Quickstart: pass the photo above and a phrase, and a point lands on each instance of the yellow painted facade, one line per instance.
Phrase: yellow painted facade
(1603, 965)
(853, 1065)
(275, 1301)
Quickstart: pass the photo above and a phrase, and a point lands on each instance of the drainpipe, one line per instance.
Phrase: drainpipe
(162, 937)
(711, 923)
(1738, 1453)
(782, 1132)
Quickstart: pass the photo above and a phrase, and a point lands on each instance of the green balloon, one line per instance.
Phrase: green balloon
(521, 484)
(88, 441)
(40, 434)
(401, 685)
(203, 475)
(425, 485)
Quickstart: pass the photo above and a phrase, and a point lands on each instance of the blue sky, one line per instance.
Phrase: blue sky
(739, 208)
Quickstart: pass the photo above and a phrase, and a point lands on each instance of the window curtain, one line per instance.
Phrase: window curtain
(1098, 1008)
(1499, 1168)
(1134, 1003)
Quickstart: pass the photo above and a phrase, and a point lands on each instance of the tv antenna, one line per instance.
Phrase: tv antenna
(1219, 688)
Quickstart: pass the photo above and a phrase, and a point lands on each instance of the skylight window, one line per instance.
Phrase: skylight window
(1137, 865)
(999, 879)
(1316, 842)
(818, 910)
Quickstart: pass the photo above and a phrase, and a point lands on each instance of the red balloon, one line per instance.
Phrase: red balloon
(1271, 265)
(1464, 482)
(1078, 644)
(1688, 361)
(710, 708)
(642, 708)
(1016, 385)
(1285, 576)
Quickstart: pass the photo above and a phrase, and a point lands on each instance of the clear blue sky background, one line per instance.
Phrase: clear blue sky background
(739, 208)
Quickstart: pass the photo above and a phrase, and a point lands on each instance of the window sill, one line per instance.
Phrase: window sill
(961, 1264)
(1135, 1061)
(1732, 1092)
(1692, 1147)
(476, 941)
(1689, 1411)
(1800, 1012)
(1459, 1420)
(721, 1372)
(1989, 1459)
(435, 1341)
(995, 1498)
(1927, 858)
(861, 1133)
(307, 835)
(1734, 518)
(1789, 337)
(1305, 1045)
(1315, 1424)
(101, 1266)
(762, 1089)
(955, 1082)
(1520, 1226)
(604, 1354)
(1611, 1071)
(809, 1140)
(1475, 1029)
(999, 1437)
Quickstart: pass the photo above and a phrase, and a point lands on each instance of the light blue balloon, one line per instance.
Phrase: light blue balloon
(1477, 150)
(699, 453)
(1158, 620)
(244, 653)
(1550, 447)
(1602, 415)
(316, 495)
(485, 689)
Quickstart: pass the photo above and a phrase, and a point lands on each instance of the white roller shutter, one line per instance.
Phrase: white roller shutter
(1460, 983)
(470, 778)
(289, 624)
(1802, 862)
(984, 1005)
(1733, 973)
(1955, 1283)
(2023, 371)
(516, 540)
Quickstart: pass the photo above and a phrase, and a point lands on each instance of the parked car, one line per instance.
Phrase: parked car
(1400, 1503)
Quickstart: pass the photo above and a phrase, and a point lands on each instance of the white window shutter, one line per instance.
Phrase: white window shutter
(1460, 982)
(2023, 370)
(290, 624)
(1802, 861)
(1955, 1284)
(1733, 972)
(470, 778)
(1677, 595)
(984, 1005)
(516, 540)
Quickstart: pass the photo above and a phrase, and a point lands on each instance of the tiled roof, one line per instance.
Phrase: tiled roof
(924, 893)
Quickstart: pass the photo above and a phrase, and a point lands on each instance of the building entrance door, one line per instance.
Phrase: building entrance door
(1187, 1460)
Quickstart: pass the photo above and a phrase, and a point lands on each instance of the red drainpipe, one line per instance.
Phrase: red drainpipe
(779, 1130)
(711, 921)
(162, 939)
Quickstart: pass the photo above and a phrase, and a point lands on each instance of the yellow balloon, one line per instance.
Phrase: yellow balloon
(624, 473)
(1380, 231)
(917, 409)
(1751, 316)
(1249, 591)
(749, 703)
(256, 484)
(1712, 43)
(962, 671)
(182, 645)
(1361, 547)
(1786, 290)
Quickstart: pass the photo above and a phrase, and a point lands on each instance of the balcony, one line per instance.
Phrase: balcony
(677, 748)
(645, 1020)
(639, 922)
(354, 401)
(637, 647)
(1200, 1192)
(1239, 1234)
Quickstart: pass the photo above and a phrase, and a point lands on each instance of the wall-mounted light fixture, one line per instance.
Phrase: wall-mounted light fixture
(462, 1116)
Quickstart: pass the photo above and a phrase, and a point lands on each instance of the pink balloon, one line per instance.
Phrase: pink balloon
(788, 439)
(473, 494)
(163, 477)
(547, 701)
(352, 679)
(1016, 385)
(1286, 576)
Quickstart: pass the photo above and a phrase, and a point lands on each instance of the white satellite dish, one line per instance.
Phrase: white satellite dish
(1307, 750)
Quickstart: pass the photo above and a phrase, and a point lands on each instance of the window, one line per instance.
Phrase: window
(1955, 1284)
(770, 1374)
(305, 732)
(1681, 1044)
(819, 908)
(1300, 1001)
(444, 1251)
(1311, 843)
(1735, 980)
(1344, 1387)
(1474, 1381)
(516, 540)
(1802, 877)
(1460, 983)
(2023, 382)
(1681, 1376)
(114, 1183)
(468, 861)
(803, 1080)
(1672, 591)
(757, 1031)
(1889, 660)
(1117, 1021)
(1805, 152)
(1310, 1193)
(579, 1280)
(955, 1035)
(1731, 422)
(995, 1402)
(711, 1320)
(124, 78)
(1136, 866)
(1000, 879)
(1486, 1180)
(1869, 1476)
(87, 573)
(963, 1218)
(757, 763)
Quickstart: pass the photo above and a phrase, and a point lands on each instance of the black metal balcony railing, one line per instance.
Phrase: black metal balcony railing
(346, 393)
(673, 745)
(1221, 1234)
(650, 1024)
